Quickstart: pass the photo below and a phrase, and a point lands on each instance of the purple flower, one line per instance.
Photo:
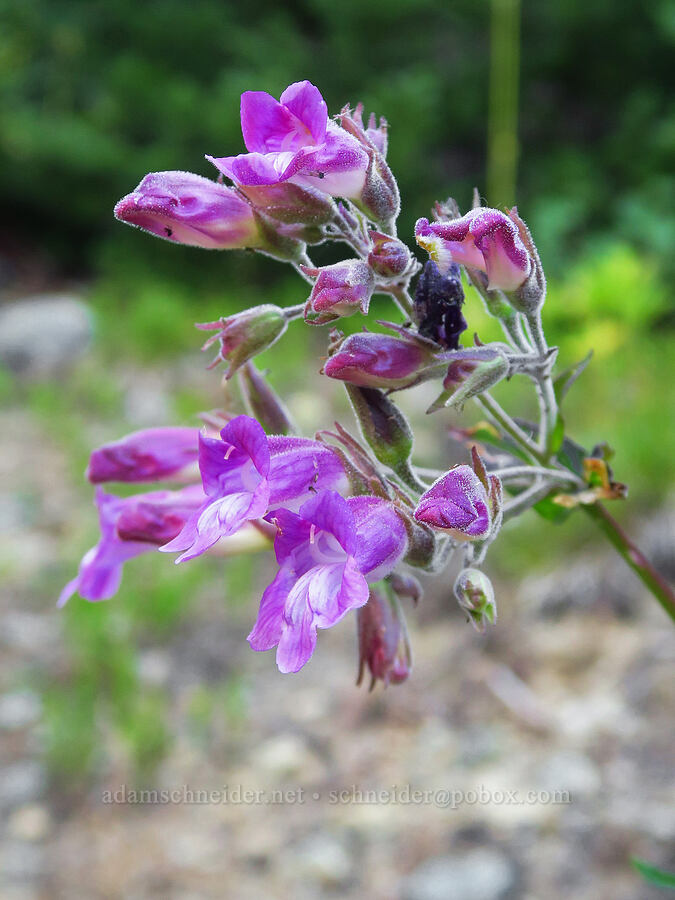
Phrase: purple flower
(339, 290)
(381, 360)
(292, 140)
(244, 473)
(130, 526)
(327, 553)
(189, 209)
(148, 455)
(484, 239)
(457, 503)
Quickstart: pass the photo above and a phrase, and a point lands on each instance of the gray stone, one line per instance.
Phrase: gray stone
(323, 859)
(20, 783)
(43, 335)
(481, 874)
(18, 709)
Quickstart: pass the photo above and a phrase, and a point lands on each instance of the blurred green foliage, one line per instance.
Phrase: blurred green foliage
(96, 94)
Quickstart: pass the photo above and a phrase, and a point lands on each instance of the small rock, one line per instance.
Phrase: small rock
(29, 823)
(20, 783)
(42, 335)
(18, 709)
(481, 874)
(570, 772)
(323, 859)
(283, 755)
(21, 862)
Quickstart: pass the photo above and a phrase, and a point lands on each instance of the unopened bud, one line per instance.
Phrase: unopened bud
(406, 585)
(388, 257)
(383, 426)
(290, 203)
(245, 334)
(471, 372)
(263, 402)
(457, 504)
(383, 640)
(381, 360)
(339, 290)
(379, 198)
(476, 597)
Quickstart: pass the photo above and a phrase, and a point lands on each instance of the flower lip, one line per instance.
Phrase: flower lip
(484, 239)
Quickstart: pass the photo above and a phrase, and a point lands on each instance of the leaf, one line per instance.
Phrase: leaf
(564, 381)
(556, 437)
(551, 511)
(652, 874)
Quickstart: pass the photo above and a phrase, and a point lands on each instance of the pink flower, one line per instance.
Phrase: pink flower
(189, 209)
(291, 139)
(339, 290)
(483, 239)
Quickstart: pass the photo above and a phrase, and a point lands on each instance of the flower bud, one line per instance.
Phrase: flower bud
(245, 334)
(457, 504)
(379, 198)
(157, 517)
(438, 304)
(476, 597)
(405, 585)
(471, 372)
(383, 425)
(388, 257)
(189, 209)
(263, 403)
(381, 360)
(483, 239)
(383, 640)
(339, 290)
(291, 204)
(148, 455)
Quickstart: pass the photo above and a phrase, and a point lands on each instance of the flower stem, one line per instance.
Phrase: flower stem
(503, 419)
(634, 557)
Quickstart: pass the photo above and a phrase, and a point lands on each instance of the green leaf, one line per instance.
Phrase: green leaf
(564, 381)
(556, 437)
(551, 511)
(654, 875)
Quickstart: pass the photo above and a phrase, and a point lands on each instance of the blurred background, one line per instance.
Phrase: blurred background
(560, 107)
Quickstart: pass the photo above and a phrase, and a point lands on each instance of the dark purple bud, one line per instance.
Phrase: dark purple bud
(388, 257)
(438, 304)
(384, 648)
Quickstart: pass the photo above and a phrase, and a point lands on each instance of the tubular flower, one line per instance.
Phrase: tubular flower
(383, 640)
(189, 209)
(328, 553)
(484, 239)
(243, 473)
(291, 139)
(152, 454)
(130, 526)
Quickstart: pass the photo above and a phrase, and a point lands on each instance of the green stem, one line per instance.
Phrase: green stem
(634, 557)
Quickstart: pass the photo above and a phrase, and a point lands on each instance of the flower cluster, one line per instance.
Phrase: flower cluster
(347, 515)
